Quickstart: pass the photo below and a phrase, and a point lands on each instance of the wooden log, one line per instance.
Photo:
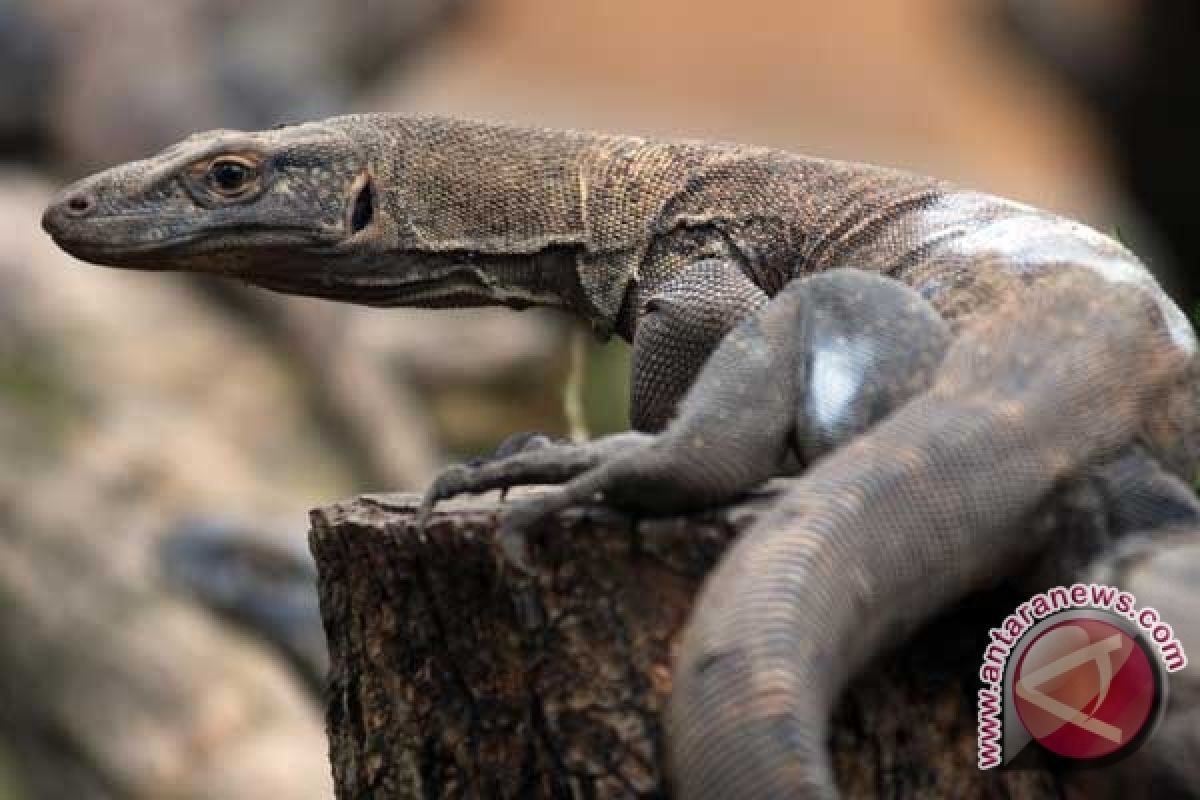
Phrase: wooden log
(454, 676)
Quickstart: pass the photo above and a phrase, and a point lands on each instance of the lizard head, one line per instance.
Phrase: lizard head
(380, 210)
(220, 201)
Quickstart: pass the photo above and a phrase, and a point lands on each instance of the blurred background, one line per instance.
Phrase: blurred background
(161, 438)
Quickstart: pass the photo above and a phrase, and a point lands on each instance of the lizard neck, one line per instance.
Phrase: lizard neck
(468, 213)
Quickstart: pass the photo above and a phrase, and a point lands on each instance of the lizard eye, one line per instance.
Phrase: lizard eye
(231, 177)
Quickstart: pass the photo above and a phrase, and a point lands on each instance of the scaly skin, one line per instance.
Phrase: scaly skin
(1065, 351)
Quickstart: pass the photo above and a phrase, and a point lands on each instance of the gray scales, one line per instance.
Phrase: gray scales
(962, 359)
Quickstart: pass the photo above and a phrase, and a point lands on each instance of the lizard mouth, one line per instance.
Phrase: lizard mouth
(139, 241)
(167, 251)
(94, 248)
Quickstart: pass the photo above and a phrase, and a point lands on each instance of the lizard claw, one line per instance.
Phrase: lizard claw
(451, 481)
(514, 547)
(523, 516)
(425, 511)
(513, 535)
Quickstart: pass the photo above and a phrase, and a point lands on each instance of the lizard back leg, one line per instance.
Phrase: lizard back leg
(875, 343)
(889, 529)
(823, 361)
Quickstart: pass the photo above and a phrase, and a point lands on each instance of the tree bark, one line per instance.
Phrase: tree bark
(454, 676)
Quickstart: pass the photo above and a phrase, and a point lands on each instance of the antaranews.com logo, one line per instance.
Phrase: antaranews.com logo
(1080, 672)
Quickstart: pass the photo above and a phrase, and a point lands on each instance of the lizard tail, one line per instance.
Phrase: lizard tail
(890, 529)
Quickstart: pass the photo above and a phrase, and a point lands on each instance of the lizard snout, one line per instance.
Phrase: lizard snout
(80, 223)
(79, 204)
(72, 204)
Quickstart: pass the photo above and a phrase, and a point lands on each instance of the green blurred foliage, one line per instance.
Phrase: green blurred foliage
(9, 788)
(33, 387)
(606, 387)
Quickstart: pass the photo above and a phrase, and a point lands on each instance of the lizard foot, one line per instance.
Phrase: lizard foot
(537, 460)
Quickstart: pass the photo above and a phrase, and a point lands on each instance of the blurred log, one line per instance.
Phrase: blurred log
(454, 677)
(116, 688)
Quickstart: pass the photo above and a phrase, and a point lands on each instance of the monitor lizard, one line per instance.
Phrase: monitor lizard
(1059, 352)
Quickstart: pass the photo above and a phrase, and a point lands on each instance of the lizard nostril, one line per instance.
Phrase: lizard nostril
(80, 204)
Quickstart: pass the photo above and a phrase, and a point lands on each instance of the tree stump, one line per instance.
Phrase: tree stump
(455, 676)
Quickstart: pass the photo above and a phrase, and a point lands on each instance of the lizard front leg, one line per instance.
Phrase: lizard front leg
(679, 326)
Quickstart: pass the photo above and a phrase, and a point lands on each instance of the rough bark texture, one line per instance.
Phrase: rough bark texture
(453, 676)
